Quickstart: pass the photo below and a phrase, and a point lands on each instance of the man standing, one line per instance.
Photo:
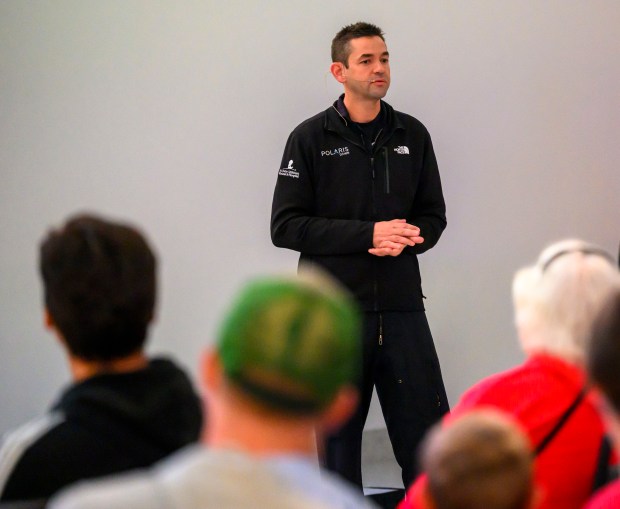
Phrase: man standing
(359, 194)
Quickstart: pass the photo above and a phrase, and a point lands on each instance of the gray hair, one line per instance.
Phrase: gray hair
(557, 298)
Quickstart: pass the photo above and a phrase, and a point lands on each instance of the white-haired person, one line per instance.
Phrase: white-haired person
(555, 302)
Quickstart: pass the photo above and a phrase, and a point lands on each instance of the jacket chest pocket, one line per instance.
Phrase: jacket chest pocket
(399, 175)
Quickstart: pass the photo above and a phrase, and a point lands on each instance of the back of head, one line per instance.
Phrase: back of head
(603, 359)
(557, 298)
(99, 285)
(480, 460)
(341, 48)
(291, 344)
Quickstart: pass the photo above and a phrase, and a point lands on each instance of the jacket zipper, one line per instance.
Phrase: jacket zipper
(375, 284)
(387, 170)
(380, 329)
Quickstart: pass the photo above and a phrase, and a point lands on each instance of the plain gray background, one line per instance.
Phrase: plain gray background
(174, 114)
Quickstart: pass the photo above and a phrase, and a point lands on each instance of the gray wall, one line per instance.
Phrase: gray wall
(174, 115)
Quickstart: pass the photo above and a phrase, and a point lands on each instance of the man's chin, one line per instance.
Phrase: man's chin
(379, 95)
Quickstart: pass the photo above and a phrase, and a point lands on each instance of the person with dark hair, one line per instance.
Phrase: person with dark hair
(359, 194)
(284, 364)
(122, 410)
(603, 361)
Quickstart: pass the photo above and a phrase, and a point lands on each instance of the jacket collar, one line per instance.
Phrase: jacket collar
(337, 119)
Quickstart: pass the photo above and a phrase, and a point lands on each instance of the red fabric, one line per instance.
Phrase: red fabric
(606, 498)
(415, 498)
(537, 393)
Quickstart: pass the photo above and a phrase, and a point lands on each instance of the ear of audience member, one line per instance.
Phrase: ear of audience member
(480, 460)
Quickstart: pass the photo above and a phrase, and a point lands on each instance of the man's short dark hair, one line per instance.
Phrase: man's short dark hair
(341, 49)
(603, 357)
(99, 286)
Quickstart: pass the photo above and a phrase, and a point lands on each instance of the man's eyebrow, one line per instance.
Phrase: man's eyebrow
(368, 55)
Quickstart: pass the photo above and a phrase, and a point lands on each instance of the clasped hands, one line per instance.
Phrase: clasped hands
(389, 238)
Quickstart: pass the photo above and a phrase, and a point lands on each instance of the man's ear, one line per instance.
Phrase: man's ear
(339, 410)
(339, 71)
(48, 321)
(211, 371)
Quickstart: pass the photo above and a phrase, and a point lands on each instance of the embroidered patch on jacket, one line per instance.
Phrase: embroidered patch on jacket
(341, 151)
(402, 149)
(289, 171)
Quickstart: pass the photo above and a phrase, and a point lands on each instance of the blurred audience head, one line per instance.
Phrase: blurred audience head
(289, 349)
(99, 287)
(557, 298)
(479, 460)
(603, 360)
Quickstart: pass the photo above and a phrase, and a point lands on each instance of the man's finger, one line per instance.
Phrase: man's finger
(407, 230)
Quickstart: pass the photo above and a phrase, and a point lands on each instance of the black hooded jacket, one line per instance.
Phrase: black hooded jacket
(332, 188)
(106, 424)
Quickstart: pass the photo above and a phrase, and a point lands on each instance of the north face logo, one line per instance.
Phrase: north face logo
(402, 150)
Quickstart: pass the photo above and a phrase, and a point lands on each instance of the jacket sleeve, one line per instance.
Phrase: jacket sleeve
(294, 221)
(429, 207)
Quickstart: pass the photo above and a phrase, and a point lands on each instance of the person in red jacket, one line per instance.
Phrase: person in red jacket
(555, 302)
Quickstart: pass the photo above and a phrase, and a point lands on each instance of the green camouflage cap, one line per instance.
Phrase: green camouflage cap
(292, 342)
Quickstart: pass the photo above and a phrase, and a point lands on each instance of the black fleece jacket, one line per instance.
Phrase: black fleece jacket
(106, 424)
(331, 190)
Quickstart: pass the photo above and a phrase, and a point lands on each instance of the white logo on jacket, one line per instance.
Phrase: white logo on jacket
(402, 149)
(341, 151)
(289, 171)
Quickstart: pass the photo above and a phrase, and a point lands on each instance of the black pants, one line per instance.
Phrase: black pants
(401, 362)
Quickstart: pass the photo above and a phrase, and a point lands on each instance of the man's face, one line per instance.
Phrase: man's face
(368, 74)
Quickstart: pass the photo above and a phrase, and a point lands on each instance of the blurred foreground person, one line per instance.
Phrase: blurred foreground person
(555, 301)
(122, 410)
(481, 460)
(604, 370)
(285, 365)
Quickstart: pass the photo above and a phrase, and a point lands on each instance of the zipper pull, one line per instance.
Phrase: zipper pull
(372, 165)
(380, 329)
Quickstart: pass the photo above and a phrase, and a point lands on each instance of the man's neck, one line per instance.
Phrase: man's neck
(259, 435)
(82, 369)
(362, 111)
